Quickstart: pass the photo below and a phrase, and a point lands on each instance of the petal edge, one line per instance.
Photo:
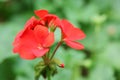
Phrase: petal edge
(41, 13)
(74, 45)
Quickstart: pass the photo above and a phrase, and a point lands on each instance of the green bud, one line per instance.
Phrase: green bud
(53, 68)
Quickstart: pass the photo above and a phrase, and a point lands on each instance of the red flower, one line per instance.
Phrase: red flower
(70, 34)
(34, 41)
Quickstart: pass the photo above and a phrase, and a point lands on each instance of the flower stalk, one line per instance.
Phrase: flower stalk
(58, 45)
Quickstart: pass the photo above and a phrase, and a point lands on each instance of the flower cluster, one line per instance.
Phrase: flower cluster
(37, 37)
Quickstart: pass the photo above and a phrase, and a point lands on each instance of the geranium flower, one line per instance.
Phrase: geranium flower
(70, 34)
(33, 41)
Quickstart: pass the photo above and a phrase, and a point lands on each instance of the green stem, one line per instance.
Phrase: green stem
(48, 54)
(58, 45)
(48, 73)
(43, 58)
(49, 78)
(46, 59)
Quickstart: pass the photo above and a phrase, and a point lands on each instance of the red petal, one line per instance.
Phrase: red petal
(28, 38)
(74, 45)
(40, 52)
(76, 34)
(25, 39)
(25, 34)
(70, 32)
(26, 53)
(41, 13)
(41, 32)
(49, 40)
(66, 27)
(31, 21)
(24, 44)
(16, 42)
(51, 20)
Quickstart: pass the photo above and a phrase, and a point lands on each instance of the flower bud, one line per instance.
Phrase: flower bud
(61, 65)
(58, 62)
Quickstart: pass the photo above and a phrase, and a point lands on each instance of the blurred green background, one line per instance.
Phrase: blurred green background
(99, 19)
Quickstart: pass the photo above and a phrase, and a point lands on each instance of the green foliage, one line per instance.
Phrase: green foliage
(99, 19)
